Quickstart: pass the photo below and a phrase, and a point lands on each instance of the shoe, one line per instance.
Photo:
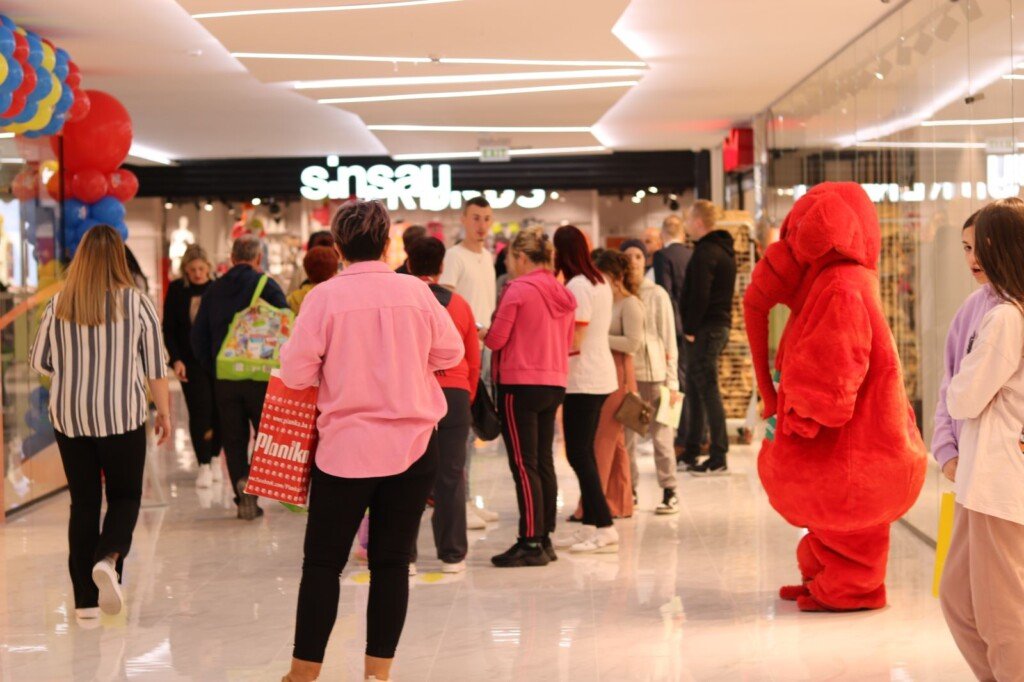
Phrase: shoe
(205, 477)
(412, 570)
(669, 503)
(486, 514)
(549, 549)
(473, 521)
(248, 509)
(574, 519)
(522, 554)
(604, 541)
(636, 500)
(303, 671)
(577, 536)
(89, 618)
(218, 471)
(457, 567)
(104, 574)
(710, 468)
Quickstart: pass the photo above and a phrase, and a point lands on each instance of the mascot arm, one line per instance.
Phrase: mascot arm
(828, 363)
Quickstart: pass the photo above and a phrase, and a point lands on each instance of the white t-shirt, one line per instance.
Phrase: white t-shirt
(988, 393)
(592, 371)
(472, 276)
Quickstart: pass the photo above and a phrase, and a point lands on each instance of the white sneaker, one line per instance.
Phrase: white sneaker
(412, 570)
(88, 619)
(486, 514)
(453, 568)
(104, 574)
(205, 477)
(473, 520)
(218, 472)
(604, 541)
(579, 535)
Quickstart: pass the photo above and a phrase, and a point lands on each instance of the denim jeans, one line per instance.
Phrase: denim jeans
(703, 397)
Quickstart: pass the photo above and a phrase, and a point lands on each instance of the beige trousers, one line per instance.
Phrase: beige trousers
(663, 437)
(982, 594)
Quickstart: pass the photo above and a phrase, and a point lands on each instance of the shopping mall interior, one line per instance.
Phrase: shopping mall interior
(193, 123)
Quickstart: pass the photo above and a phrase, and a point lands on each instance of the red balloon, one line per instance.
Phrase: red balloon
(89, 185)
(53, 186)
(20, 48)
(18, 100)
(123, 185)
(99, 141)
(20, 96)
(79, 108)
(74, 80)
(25, 185)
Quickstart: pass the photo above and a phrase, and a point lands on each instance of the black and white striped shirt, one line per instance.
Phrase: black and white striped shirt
(99, 373)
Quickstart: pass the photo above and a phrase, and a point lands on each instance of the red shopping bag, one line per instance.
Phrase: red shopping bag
(285, 444)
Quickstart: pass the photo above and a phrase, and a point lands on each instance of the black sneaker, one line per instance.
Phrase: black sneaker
(710, 468)
(636, 500)
(248, 509)
(522, 554)
(549, 549)
(669, 503)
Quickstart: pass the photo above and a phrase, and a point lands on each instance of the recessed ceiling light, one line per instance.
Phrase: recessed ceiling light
(207, 207)
(640, 194)
(256, 201)
(636, 200)
(652, 190)
(464, 78)
(332, 8)
(479, 93)
(479, 129)
(543, 151)
(168, 205)
(555, 195)
(438, 60)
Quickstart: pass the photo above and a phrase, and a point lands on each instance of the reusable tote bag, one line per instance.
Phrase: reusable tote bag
(285, 444)
(253, 343)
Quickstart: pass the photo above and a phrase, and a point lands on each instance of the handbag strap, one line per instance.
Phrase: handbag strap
(259, 290)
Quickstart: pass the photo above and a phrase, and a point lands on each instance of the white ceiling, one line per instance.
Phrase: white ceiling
(711, 64)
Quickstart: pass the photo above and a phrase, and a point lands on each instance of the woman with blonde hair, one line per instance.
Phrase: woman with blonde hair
(180, 307)
(97, 339)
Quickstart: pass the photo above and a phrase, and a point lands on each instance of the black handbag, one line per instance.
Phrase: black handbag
(486, 421)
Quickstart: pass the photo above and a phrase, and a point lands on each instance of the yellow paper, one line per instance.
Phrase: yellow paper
(945, 535)
(667, 413)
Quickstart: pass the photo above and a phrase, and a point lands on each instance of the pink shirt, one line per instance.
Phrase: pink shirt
(372, 339)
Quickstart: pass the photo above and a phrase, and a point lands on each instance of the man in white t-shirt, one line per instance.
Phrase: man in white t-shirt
(469, 271)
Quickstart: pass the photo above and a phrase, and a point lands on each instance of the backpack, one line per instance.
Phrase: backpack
(253, 343)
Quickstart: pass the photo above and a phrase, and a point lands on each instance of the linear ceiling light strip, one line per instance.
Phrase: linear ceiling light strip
(309, 10)
(544, 151)
(478, 93)
(437, 60)
(479, 129)
(464, 78)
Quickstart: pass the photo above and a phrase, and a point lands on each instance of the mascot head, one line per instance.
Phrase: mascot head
(834, 222)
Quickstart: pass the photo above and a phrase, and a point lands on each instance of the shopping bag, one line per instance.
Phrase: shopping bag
(946, 508)
(668, 414)
(253, 343)
(285, 444)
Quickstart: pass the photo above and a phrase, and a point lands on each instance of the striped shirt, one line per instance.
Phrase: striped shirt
(99, 373)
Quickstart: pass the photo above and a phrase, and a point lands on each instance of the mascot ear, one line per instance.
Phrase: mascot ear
(832, 223)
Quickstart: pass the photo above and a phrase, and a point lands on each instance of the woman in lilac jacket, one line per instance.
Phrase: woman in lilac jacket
(959, 341)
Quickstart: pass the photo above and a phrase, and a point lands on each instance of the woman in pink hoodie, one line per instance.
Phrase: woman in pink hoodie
(531, 335)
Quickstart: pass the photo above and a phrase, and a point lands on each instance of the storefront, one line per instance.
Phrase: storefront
(921, 111)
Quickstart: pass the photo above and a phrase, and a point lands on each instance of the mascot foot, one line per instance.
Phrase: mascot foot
(809, 604)
(793, 592)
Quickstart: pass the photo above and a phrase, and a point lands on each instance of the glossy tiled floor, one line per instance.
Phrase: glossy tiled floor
(690, 597)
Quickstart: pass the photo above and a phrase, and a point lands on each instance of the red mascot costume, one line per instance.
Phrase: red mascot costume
(847, 459)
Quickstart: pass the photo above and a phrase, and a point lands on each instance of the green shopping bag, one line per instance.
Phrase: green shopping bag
(773, 420)
(252, 346)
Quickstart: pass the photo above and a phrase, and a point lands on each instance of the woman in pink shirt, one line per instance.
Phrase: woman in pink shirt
(372, 340)
(530, 335)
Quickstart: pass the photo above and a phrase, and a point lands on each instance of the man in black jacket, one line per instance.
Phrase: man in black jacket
(670, 272)
(707, 317)
(239, 403)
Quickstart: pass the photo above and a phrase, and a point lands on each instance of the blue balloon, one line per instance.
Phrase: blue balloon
(28, 113)
(5, 100)
(122, 229)
(7, 42)
(107, 210)
(76, 211)
(44, 85)
(52, 128)
(35, 49)
(6, 21)
(86, 225)
(15, 75)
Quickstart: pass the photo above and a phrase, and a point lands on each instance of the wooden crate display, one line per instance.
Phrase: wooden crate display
(735, 368)
(897, 270)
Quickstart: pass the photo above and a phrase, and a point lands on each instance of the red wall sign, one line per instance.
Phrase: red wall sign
(738, 150)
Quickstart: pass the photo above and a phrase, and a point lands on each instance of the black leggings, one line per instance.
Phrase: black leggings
(336, 508)
(528, 427)
(579, 419)
(202, 413)
(90, 464)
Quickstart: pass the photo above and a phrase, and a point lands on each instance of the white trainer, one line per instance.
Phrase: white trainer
(412, 570)
(104, 574)
(604, 541)
(218, 472)
(486, 514)
(88, 619)
(457, 567)
(582, 534)
(473, 520)
(205, 477)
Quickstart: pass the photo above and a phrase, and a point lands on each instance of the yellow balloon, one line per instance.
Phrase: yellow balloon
(49, 57)
(4, 68)
(19, 29)
(50, 166)
(55, 93)
(40, 120)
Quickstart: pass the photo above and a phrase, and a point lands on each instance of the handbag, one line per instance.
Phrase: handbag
(486, 420)
(636, 413)
(252, 346)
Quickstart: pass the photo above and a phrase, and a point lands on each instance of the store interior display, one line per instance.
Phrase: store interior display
(735, 368)
(897, 270)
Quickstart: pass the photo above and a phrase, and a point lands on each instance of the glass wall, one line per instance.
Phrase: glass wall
(922, 111)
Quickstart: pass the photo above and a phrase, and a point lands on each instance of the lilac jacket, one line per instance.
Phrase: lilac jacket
(959, 341)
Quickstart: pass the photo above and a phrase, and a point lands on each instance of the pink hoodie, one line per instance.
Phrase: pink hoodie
(533, 330)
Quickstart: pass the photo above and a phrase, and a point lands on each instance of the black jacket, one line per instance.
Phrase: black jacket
(710, 283)
(670, 272)
(226, 297)
(177, 324)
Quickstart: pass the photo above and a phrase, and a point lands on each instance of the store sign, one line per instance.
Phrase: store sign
(408, 186)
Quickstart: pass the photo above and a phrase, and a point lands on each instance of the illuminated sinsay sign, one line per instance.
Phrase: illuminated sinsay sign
(408, 186)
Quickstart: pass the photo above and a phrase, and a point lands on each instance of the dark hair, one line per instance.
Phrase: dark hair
(320, 263)
(425, 256)
(615, 264)
(361, 230)
(572, 255)
(973, 218)
(635, 244)
(999, 245)
(320, 238)
(412, 233)
(479, 202)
